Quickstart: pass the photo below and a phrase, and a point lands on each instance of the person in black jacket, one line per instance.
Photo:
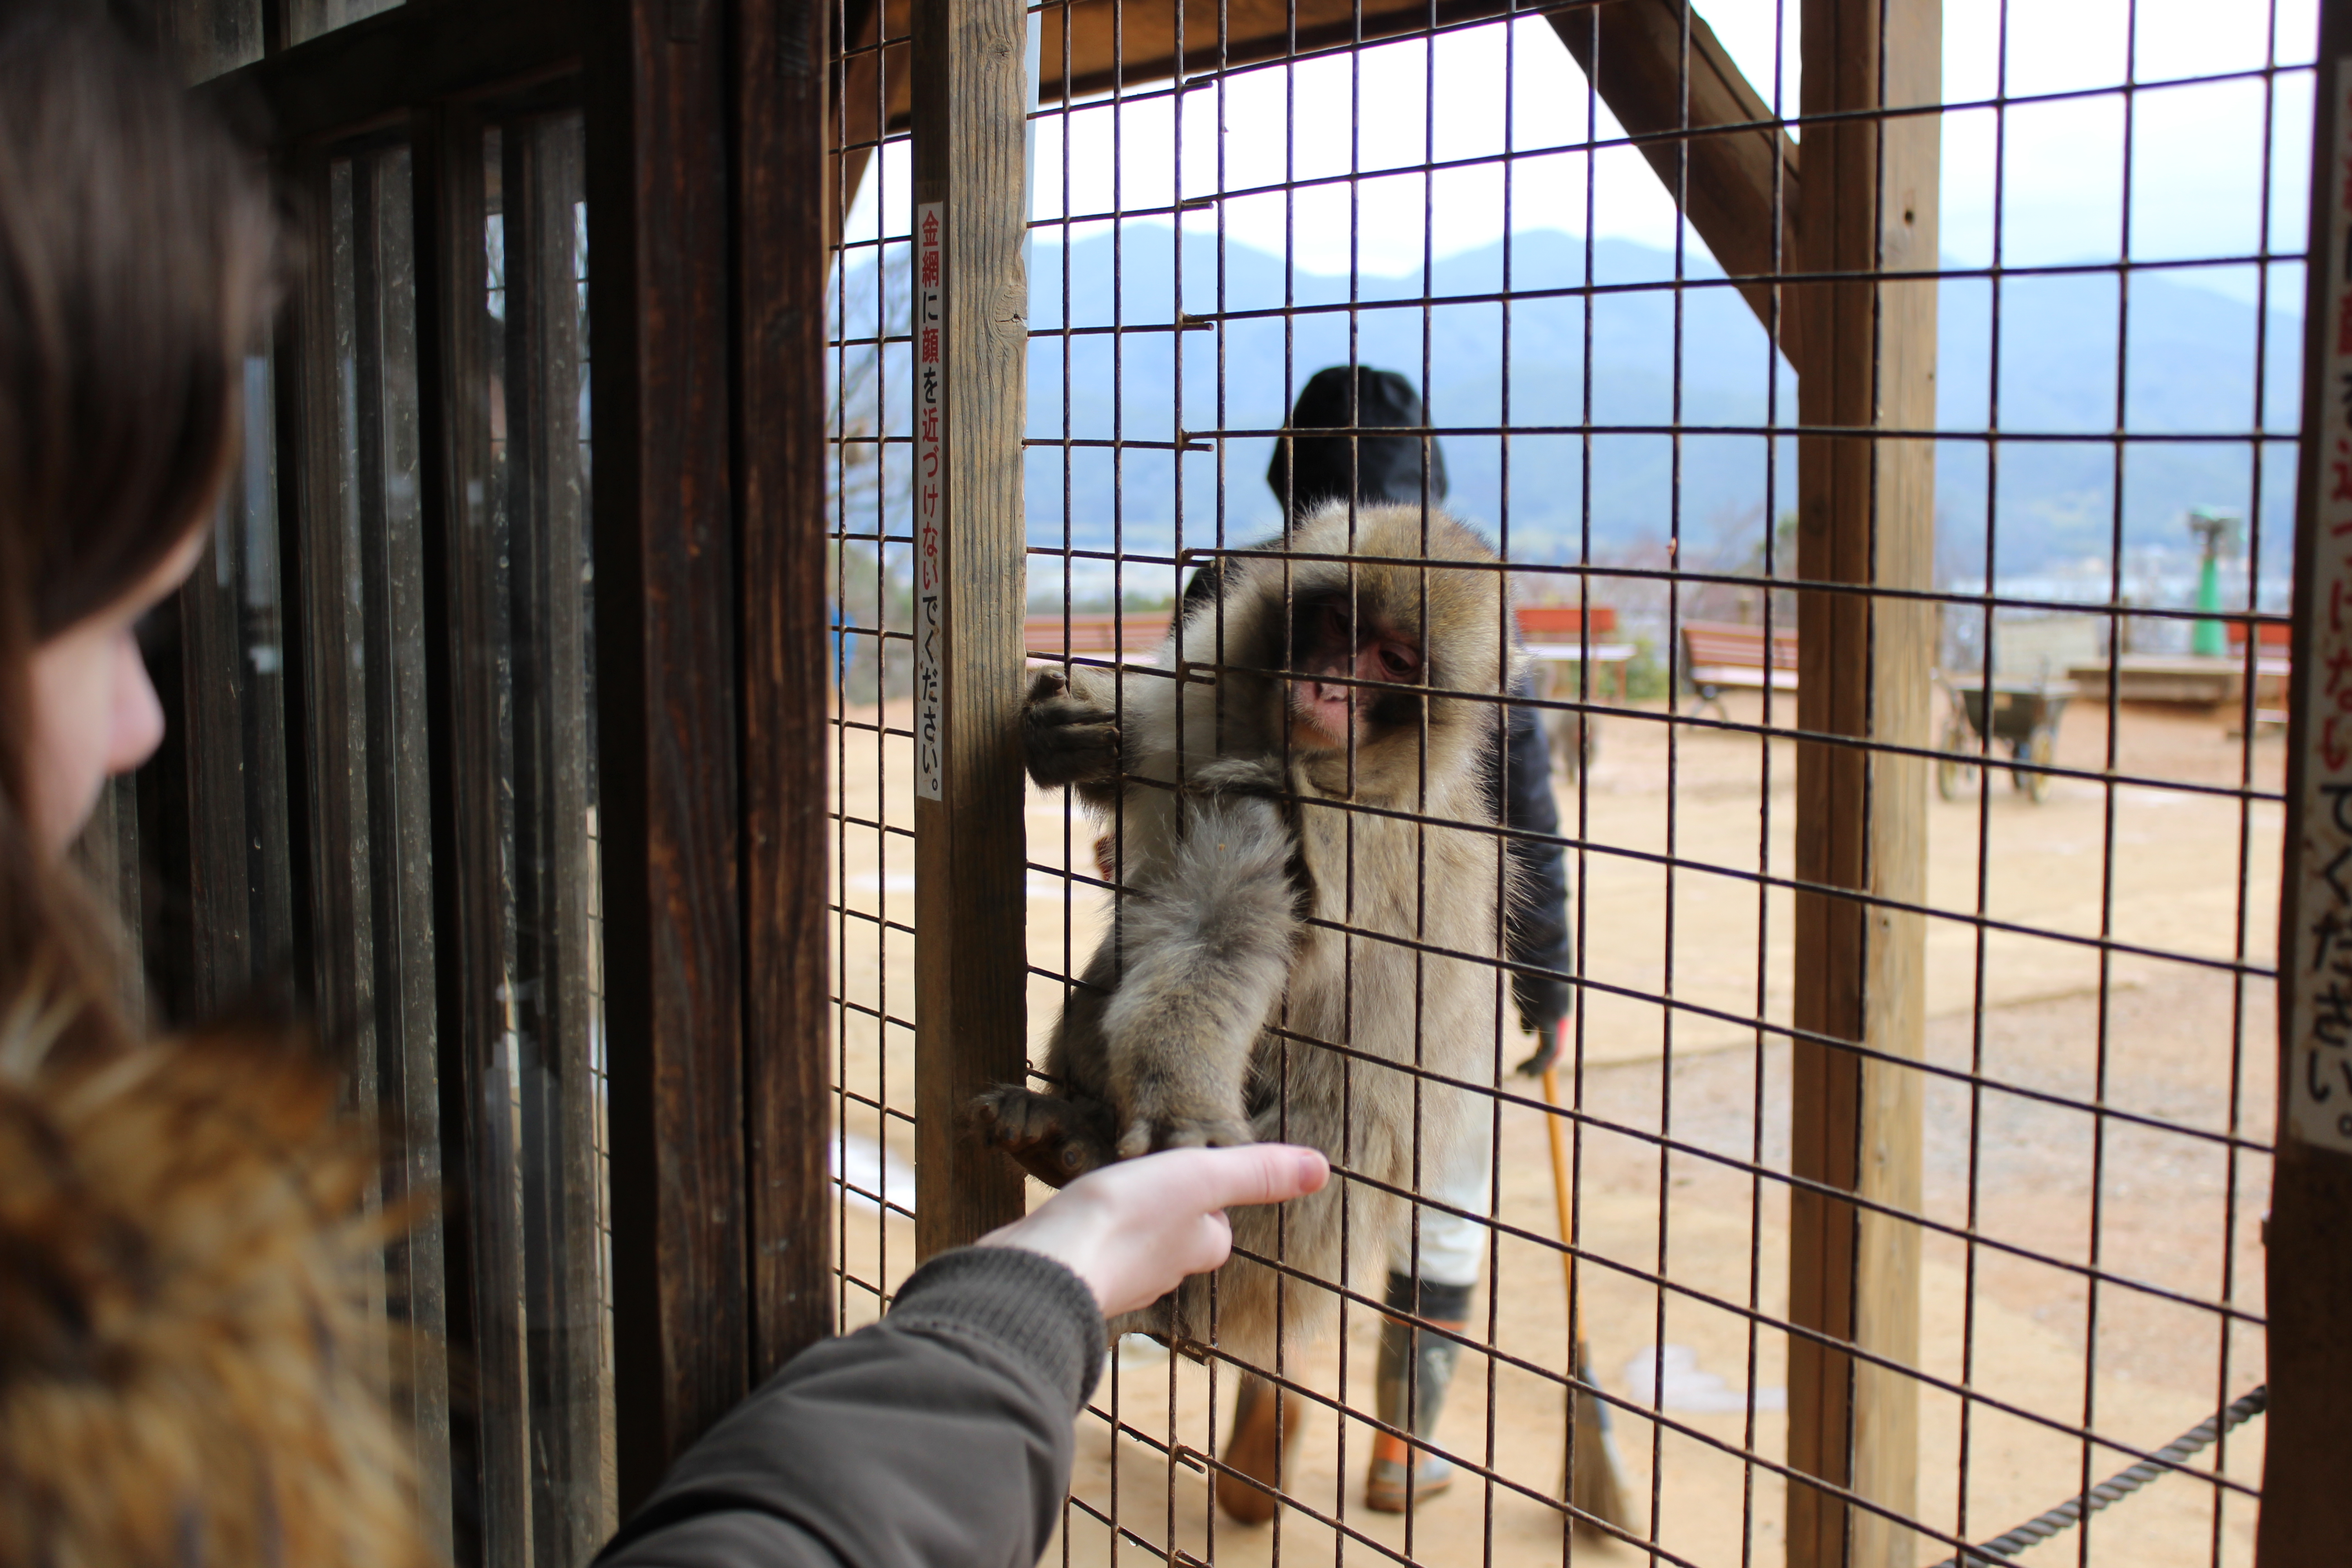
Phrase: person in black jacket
(1431, 1274)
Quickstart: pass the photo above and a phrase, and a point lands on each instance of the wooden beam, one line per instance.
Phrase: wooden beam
(1724, 159)
(970, 159)
(1115, 43)
(779, 58)
(1130, 44)
(2307, 1512)
(1866, 519)
(377, 67)
(669, 703)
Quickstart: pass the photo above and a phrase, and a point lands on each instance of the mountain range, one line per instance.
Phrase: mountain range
(2189, 377)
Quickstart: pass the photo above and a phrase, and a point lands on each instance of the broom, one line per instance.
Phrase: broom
(1595, 1481)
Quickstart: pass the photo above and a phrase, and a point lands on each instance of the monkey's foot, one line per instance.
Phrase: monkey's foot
(1052, 1139)
(1266, 1422)
(1065, 739)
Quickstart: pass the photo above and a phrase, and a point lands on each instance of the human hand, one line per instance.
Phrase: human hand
(1133, 1230)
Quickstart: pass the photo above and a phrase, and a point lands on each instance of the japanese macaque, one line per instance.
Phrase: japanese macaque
(1312, 885)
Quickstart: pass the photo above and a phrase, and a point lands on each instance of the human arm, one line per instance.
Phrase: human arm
(941, 1435)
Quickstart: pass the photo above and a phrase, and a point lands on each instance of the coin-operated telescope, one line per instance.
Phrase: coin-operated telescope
(2216, 532)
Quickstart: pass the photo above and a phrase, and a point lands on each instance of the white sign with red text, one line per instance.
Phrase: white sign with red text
(2319, 1064)
(931, 487)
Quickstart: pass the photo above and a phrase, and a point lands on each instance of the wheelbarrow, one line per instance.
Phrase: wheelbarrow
(1982, 715)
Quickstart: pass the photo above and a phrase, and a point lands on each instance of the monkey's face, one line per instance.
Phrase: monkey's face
(1350, 664)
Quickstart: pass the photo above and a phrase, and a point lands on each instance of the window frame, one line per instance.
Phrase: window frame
(704, 151)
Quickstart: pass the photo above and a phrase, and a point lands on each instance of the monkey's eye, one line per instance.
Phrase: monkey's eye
(1334, 630)
(1397, 663)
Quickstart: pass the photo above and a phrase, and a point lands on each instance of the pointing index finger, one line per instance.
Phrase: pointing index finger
(1262, 1173)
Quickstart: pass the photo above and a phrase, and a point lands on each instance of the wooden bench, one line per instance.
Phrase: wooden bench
(1721, 653)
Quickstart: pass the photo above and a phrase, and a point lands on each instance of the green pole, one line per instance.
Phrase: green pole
(2205, 639)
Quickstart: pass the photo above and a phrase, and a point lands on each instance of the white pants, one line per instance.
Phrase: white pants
(1453, 1248)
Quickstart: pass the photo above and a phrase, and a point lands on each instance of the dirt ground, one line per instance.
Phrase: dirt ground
(2177, 872)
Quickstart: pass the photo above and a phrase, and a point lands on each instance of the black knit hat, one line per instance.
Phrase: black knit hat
(1384, 468)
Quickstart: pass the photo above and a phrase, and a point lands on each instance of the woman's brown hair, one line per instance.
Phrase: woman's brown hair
(135, 255)
(189, 1369)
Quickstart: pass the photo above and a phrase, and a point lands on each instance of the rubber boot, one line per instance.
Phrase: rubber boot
(1263, 1427)
(1415, 1367)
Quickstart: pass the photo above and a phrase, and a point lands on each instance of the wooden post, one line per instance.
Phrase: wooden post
(669, 706)
(1866, 517)
(782, 256)
(2306, 1511)
(972, 343)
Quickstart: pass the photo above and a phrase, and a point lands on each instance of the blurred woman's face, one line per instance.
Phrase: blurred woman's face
(94, 712)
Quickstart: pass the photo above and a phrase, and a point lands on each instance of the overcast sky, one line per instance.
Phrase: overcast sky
(2197, 150)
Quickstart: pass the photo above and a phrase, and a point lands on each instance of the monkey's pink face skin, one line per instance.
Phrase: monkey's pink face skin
(1329, 710)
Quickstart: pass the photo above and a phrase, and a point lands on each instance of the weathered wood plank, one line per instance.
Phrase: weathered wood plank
(782, 48)
(971, 954)
(446, 164)
(1865, 518)
(669, 703)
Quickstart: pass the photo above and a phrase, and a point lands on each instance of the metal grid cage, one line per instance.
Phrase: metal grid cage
(1897, 547)
(868, 585)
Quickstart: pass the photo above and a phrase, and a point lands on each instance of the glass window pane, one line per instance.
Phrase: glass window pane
(543, 1337)
(370, 755)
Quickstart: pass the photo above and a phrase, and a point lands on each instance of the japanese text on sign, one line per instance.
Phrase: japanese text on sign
(930, 577)
(2319, 1042)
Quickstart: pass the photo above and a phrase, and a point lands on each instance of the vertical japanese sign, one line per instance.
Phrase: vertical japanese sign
(2319, 1064)
(931, 490)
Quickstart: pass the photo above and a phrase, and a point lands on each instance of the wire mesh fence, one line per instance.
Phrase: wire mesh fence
(1882, 428)
(870, 586)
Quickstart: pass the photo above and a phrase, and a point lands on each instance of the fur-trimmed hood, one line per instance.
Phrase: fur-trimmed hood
(189, 1372)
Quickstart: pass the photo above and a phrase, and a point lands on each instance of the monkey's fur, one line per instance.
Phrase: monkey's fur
(1225, 1006)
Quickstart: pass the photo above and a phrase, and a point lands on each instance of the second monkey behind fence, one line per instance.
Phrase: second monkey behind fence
(1309, 935)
